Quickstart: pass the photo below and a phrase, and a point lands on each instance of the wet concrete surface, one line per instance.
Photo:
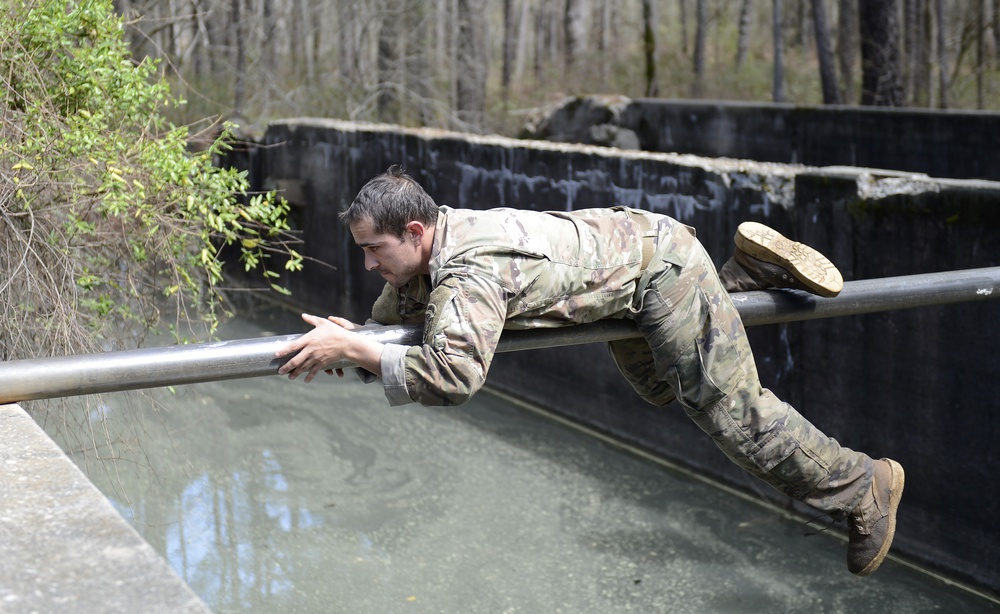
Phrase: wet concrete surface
(273, 496)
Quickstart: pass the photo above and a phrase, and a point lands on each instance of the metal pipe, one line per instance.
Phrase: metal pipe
(42, 378)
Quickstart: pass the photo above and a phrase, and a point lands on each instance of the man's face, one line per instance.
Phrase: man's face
(396, 259)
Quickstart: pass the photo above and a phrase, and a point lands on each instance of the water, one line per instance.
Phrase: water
(273, 496)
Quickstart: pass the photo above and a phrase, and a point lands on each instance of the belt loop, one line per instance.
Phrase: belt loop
(648, 247)
(647, 235)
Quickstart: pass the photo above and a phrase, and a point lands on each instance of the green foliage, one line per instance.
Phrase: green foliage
(103, 210)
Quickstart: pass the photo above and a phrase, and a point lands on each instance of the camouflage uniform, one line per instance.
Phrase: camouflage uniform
(516, 269)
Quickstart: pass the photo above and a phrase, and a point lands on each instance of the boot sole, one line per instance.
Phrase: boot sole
(895, 494)
(808, 266)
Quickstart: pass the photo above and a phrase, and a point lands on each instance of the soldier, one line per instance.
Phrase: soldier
(468, 275)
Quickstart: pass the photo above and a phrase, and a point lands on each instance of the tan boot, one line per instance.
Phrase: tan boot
(873, 521)
(811, 269)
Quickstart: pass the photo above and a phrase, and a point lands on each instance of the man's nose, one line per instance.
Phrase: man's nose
(370, 263)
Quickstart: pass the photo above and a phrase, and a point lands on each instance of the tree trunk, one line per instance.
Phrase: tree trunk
(268, 56)
(416, 67)
(470, 102)
(507, 65)
(684, 26)
(541, 37)
(824, 53)
(778, 84)
(942, 53)
(800, 36)
(521, 51)
(698, 85)
(743, 41)
(347, 47)
(387, 106)
(240, 59)
(980, 51)
(996, 29)
(649, 47)
(574, 34)
(922, 50)
(880, 66)
(604, 40)
(315, 38)
(847, 44)
(909, 49)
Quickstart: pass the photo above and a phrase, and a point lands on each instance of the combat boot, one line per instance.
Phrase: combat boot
(873, 521)
(778, 262)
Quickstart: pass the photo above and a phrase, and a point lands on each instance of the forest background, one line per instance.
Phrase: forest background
(494, 65)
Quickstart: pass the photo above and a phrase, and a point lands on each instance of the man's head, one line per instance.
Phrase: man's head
(391, 201)
(392, 219)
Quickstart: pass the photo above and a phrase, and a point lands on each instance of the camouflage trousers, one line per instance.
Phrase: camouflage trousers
(695, 350)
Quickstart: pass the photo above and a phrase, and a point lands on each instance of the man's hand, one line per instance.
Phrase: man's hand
(330, 341)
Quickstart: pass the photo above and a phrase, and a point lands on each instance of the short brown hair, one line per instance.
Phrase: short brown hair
(391, 201)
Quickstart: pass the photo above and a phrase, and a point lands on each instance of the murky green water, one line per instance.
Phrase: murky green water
(273, 496)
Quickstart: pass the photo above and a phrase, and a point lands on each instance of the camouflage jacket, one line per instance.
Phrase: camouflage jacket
(513, 269)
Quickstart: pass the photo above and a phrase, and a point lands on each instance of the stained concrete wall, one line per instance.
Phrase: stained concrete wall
(954, 144)
(918, 386)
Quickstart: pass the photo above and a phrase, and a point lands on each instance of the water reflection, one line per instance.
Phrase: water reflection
(225, 539)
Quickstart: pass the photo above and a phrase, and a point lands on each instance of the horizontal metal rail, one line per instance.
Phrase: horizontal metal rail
(41, 378)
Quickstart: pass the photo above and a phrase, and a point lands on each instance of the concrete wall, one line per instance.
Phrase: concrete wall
(919, 385)
(955, 144)
(64, 548)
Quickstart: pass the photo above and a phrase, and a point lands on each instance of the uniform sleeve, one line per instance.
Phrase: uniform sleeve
(464, 319)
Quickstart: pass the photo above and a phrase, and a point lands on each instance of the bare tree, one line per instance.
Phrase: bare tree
(910, 31)
(239, 51)
(847, 44)
(418, 70)
(574, 33)
(348, 47)
(649, 47)
(980, 50)
(824, 52)
(509, 45)
(996, 29)
(778, 83)
(471, 69)
(743, 40)
(919, 56)
(521, 52)
(942, 53)
(880, 65)
(701, 27)
(388, 109)
(542, 35)
(604, 29)
(799, 16)
(916, 41)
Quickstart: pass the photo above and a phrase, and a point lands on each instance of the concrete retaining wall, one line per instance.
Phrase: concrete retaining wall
(63, 547)
(955, 144)
(919, 386)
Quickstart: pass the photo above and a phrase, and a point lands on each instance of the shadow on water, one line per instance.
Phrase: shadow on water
(269, 495)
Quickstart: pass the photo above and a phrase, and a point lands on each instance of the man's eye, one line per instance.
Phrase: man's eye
(373, 248)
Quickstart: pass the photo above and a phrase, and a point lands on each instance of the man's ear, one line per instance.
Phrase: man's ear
(416, 231)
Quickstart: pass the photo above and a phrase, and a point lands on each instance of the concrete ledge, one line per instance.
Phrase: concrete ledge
(63, 547)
